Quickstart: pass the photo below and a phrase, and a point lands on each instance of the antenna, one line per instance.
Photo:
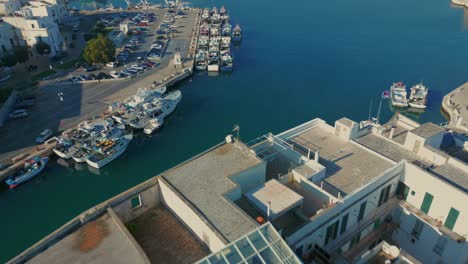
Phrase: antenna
(370, 109)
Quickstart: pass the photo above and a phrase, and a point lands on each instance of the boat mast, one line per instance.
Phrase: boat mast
(370, 109)
(378, 112)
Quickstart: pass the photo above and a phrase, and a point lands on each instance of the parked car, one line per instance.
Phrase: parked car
(103, 75)
(92, 76)
(74, 79)
(114, 74)
(137, 67)
(25, 103)
(83, 77)
(44, 136)
(112, 64)
(20, 113)
(90, 68)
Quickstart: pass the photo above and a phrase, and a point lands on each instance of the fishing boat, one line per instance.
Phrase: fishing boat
(64, 148)
(226, 30)
(418, 96)
(169, 102)
(155, 124)
(213, 62)
(32, 167)
(398, 95)
(108, 151)
(226, 63)
(80, 156)
(201, 60)
(237, 33)
(222, 10)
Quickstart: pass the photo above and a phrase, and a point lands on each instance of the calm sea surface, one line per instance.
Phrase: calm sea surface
(298, 60)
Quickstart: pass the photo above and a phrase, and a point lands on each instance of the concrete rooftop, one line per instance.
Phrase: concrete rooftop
(204, 180)
(99, 241)
(427, 130)
(348, 166)
(281, 198)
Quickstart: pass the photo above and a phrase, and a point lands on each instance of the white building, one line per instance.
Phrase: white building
(7, 7)
(348, 193)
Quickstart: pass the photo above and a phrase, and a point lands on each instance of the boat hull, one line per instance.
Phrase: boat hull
(13, 183)
(419, 106)
(107, 160)
(65, 155)
(213, 68)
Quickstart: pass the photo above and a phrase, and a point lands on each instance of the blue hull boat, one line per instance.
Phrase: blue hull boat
(32, 167)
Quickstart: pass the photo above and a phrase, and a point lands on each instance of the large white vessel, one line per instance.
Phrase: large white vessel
(418, 96)
(170, 101)
(398, 95)
(108, 152)
(64, 148)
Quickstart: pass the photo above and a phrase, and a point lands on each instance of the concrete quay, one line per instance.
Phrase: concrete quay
(455, 105)
(91, 99)
(460, 3)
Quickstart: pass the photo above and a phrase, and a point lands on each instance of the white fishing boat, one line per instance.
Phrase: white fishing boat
(226, 63)
(213, 62)
(80, 156)
(155, 124)
(142, 95)
(169, 102)
(418, 96)
(201, 60)
(64, 148)
(107, 153)
(398, 95)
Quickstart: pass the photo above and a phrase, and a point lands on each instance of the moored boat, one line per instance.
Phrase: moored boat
(236, 33)
(105, 154)
(154, 125)
(32, 168)
(398, 95)
(64, 148)
(418, 96)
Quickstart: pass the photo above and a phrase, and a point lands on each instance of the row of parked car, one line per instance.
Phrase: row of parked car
(133, 70)
(21, 105)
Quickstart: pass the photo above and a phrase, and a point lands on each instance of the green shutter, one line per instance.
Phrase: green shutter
(344, 223)
(426, 204)
(451, 218)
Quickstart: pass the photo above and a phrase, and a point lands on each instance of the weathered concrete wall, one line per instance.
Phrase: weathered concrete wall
(186, 213)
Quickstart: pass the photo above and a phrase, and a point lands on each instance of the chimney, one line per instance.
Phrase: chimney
(316, 157)
(391, 133)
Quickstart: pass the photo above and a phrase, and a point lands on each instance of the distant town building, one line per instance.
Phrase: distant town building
(6, 38)
(344, 193)
(36, 21)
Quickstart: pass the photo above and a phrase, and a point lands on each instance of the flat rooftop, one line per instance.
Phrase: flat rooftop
(348, 167)
(427, 130)
(99, 241)
(204, 181)
(280, 197)
(164, 239)
(393, 151)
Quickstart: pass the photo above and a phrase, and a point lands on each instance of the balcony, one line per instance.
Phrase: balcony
(433, 222)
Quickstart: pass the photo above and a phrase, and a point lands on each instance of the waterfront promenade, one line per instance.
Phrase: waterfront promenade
(455, 105)
(84, 100)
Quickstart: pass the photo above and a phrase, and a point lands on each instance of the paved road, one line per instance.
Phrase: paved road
(62, 105)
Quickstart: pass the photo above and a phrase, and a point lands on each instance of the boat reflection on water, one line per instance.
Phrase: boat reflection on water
(80, 166)
(93, 170)
(64, 163)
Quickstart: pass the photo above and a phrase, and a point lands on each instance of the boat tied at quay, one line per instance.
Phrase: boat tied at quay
(214, 44)
(399, 96)
(32, 167)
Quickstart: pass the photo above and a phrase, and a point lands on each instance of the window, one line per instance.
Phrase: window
(384, 194)
(32, 25)
(344, 223)
(426, 204)
(362, 209)
(451, 218)
(332, 232)
(402, 191)
(413, 193)
(440, 245)
(136, 202)
(417, 229)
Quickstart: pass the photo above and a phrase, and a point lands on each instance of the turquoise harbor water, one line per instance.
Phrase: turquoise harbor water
(298, 60)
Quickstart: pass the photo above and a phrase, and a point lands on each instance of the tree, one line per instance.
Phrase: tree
(9, 60)
(99, 50)
(42, 48)
(21, 53)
